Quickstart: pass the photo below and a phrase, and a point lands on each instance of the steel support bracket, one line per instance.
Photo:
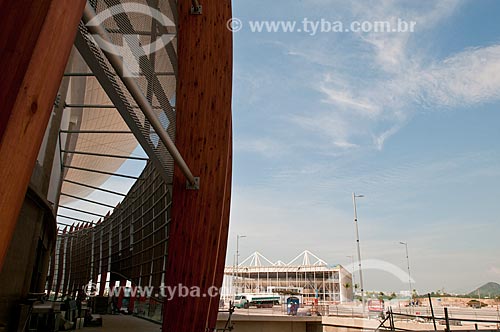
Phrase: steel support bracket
(57, 102)
(196, 10)
(195, 186)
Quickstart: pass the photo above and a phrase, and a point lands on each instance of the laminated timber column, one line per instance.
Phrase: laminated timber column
(35, 42)
(200, 218)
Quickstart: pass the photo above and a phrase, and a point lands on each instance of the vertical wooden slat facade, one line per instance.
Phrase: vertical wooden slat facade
(113, 246)
(200, 218)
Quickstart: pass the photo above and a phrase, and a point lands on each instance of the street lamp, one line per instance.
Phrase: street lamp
(353, 277)
(238, 237)
(409, 277)
(354, 196)
(352, 263)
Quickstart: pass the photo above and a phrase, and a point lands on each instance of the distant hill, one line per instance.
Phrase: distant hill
(491, 289)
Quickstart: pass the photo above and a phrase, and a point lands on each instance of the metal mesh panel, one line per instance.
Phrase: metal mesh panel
(157, 78)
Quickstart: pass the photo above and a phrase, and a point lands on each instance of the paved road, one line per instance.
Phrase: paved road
(356, 311)
(455, 312)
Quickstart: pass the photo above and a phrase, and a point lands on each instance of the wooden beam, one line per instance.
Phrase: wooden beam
(36, 40)
(200, 218)
(21, 23)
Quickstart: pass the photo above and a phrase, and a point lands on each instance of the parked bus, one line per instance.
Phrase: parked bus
(263, 300)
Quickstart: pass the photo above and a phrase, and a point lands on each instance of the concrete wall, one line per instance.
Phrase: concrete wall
(267, 326)
(263, 323)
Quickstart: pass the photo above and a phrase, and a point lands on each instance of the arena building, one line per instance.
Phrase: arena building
(306, 274)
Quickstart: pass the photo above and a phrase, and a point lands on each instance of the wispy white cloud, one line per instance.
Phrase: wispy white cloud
(391, 49)
(397, 78)
(469, 77)
(332, 125)
(380, 139)
(263, 146)
(338, 97)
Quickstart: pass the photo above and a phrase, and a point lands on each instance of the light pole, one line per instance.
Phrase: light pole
(234, 277)
(353, 277)
(354, 196)
(238, 237)
(409, 277)
(352, 263)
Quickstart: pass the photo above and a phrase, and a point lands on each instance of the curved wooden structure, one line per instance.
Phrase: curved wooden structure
(35, 42)
(192, 227)
(200, 218)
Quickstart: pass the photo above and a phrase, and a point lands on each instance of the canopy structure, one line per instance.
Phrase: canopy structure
(100, 107)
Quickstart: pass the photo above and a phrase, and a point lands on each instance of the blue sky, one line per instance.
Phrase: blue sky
(410, 120)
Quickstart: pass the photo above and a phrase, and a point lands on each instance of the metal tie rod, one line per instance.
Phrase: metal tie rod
(88, 200)
(89, 106)
(116, 61)
(95, 132)
(78, 74)
(76, 219)
(159, 73)
(164, 73)
(97, 106)
(136, 32)
(95, 188)
(82, 211)
(105, 155)
(101, 172)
